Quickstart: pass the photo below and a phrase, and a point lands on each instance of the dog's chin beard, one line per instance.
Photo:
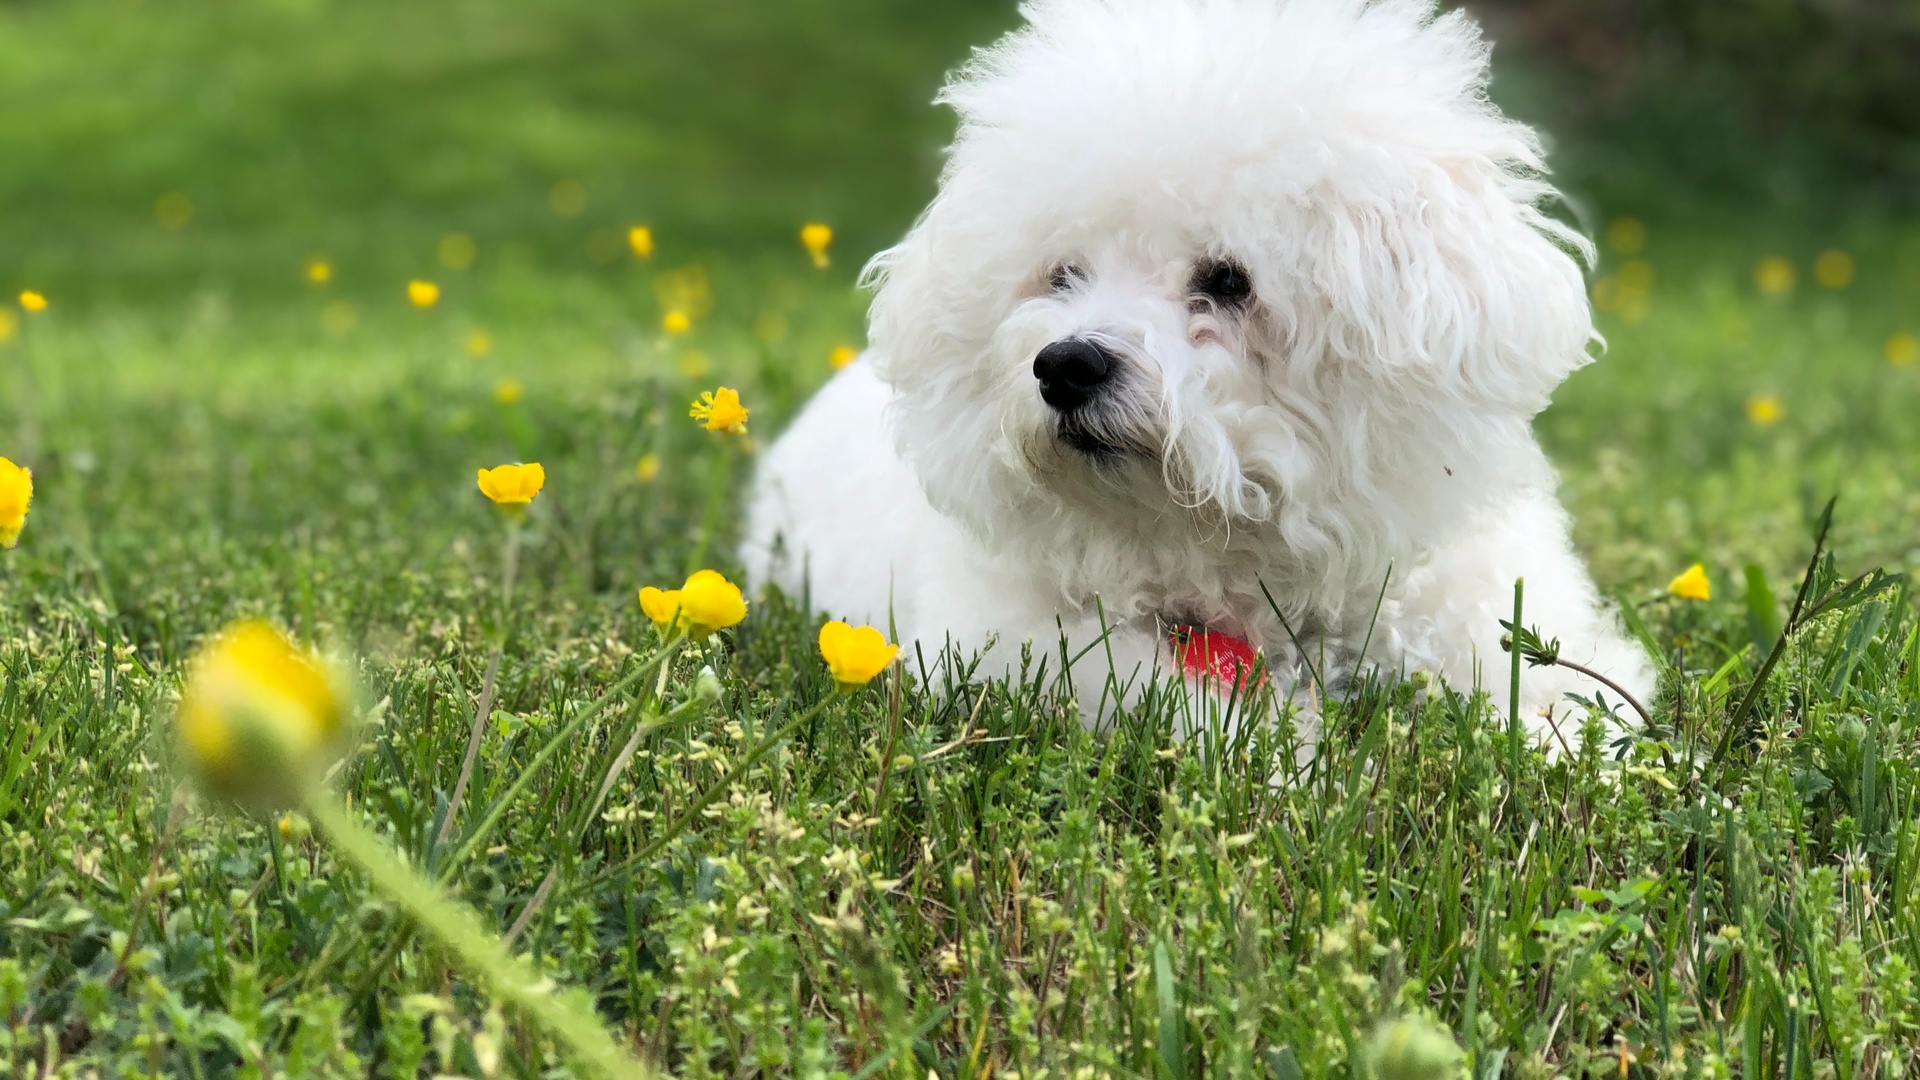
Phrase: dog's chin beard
(1091, 436)
(1090, 442)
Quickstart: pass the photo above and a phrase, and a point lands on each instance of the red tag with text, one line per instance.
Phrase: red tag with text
(1207, 653)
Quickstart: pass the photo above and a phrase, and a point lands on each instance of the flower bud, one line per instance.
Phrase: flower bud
(1415, 1048)
(706, 685)
(260, 718)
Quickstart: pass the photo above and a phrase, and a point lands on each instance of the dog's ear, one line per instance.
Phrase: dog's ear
(1451, 275)
(939, 295)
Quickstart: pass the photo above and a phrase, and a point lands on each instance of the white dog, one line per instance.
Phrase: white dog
(1220, 300)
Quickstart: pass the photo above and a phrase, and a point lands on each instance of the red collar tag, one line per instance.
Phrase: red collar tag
(1204, 654)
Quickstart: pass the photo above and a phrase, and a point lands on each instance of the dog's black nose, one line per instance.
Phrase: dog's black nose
(1071, 371)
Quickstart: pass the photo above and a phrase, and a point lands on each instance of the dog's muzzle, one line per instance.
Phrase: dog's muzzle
(1071, 373)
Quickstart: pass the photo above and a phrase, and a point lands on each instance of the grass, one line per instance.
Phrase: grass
(934, 875)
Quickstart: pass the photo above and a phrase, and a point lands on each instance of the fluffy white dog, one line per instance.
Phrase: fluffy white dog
(1219, 300)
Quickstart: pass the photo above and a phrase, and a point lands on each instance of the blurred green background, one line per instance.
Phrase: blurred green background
(169, 172)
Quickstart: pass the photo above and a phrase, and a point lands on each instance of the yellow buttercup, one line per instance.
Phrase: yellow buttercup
(855, 654)
(16, 496)
(260, 716)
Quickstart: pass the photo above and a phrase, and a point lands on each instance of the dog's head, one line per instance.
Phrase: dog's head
(1205, 269)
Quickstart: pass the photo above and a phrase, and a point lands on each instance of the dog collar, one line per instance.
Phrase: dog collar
(1204, 653)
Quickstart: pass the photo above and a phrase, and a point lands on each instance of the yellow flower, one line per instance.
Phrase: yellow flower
(694, 364)
(260, 717)
(319, 271)
(1833, 270)
(294, 827)
(660, 607)
(720, 410)
(771, 327)
(710, 602)
(457, 251)
(479, 344)
(1774, 276)
(1903, 350)
(568, 198)
(509, 391)
(648, 468)
(512, 487)
(855, 654)
(16, 495)
(816, 238)
(706, 603)
(640, 239)
(842, 356)
(339, 317)
(173, 210)
(423, 294)
(1765, 410)
(1627, 235)
(1692, 585)
(676, 322)
(33, 301)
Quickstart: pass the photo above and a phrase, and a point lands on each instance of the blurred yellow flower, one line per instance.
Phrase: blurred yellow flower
(339, 317)
(706, 603)
(260, 717)
(173, 210)
(293, 827)
(1627, 235)
(423, 294)
(1692, 584)
(604, 247)
(694, 364)
(458, 251)
(16, 496)
(816, 238)
(660, 607)
(479, 344)
(9, 325)
(771, 327)
(1903, 350)
(1765, 410)
(1833, 269)
(512, 487)
(568, 198)
(509, 391)
(319, 271)
(855, 654)
(648, 468)
(640, 239)
(33, 301)
(720, 410)
(676, 322)
(1774, 275)
(842, 356)
(688, 290)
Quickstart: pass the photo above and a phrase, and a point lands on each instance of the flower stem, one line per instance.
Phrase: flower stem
(484, 710)
(718, 472)
(571, 1019)
(713, 794)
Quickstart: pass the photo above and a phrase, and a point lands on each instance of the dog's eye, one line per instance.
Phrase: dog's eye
(1064, 277)
(1223, 280)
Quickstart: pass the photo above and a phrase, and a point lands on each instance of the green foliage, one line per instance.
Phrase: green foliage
(1680, 104)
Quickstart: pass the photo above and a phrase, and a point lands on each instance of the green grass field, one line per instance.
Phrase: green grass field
(952, 880)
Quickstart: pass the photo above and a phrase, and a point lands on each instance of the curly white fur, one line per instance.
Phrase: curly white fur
(1365, 418)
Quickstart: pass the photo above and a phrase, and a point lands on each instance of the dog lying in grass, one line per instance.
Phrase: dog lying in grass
(1223, 336)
